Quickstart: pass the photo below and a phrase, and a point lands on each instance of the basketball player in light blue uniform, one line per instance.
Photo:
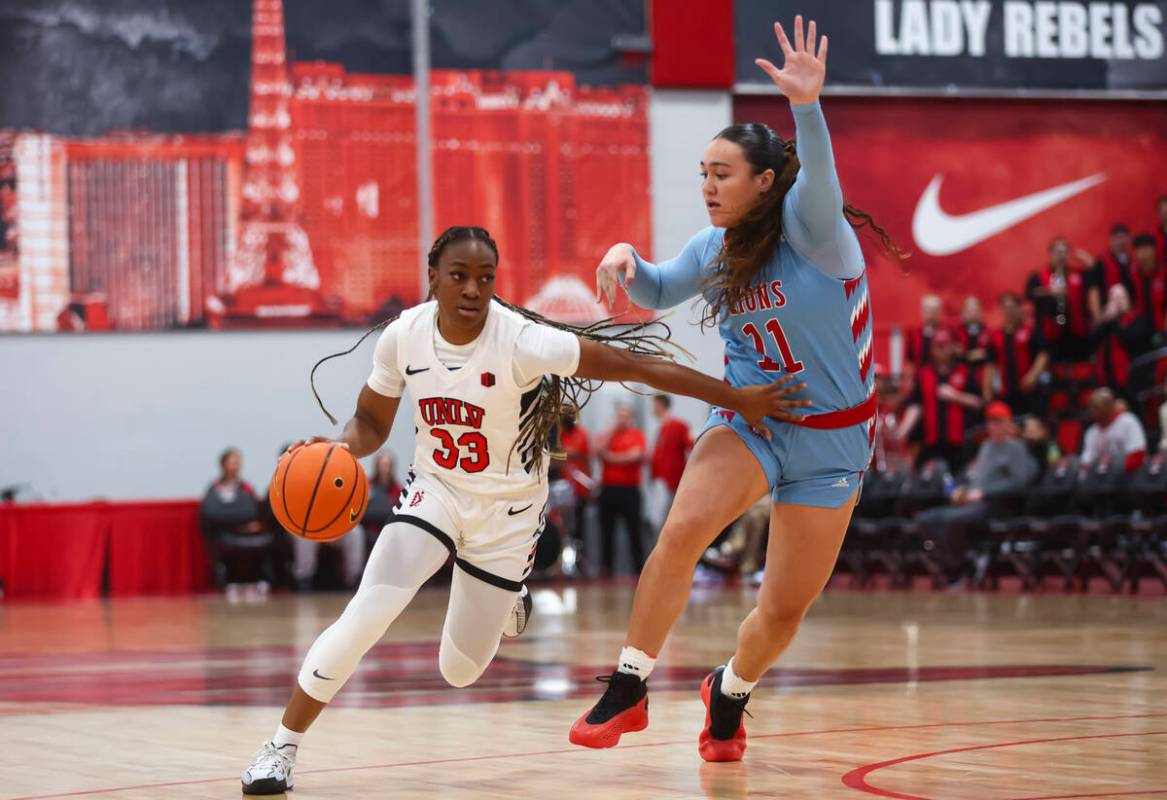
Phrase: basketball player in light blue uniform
(782, 275)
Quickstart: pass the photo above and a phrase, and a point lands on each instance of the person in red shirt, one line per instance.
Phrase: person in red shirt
(577, 468)
(673, 443)
(1060, 297)
(973, 340)
(942, 399)
(1111, 269)
(622, 452)
(1018, 356)
(919, 339)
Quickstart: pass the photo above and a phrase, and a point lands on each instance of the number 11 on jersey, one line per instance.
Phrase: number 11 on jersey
(774, 328)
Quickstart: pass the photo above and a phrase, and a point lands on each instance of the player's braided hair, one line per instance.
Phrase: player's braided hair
(558, 396)
(749, 244)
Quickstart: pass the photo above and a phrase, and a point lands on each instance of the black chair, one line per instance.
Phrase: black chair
(872, 542)
(1028, 543)
(1146, 551)
(1104, 520)
(236, 557)
(927, 488)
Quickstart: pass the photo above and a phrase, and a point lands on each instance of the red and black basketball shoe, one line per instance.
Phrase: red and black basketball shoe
(623, 709)
(724, 735)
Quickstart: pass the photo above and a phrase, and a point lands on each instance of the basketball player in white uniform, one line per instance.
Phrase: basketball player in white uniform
(478, 486)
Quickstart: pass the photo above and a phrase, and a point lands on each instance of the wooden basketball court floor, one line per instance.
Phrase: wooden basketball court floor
(902, 695)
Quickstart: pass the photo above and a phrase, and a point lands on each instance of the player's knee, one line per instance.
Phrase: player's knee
(374, 607)
(781, 614)
(682, 541)
(458, 669)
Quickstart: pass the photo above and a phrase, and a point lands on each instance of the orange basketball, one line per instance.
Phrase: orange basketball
(319, 491)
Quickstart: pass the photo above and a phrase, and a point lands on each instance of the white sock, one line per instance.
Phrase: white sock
(636, 662)
(286, 736)
(732, 685)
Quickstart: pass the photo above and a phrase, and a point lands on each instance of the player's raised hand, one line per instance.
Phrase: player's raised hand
(770, 400)
(617, 262)
(804, 67)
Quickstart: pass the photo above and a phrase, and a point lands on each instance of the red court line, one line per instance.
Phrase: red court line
(565, 751)
(1105, 794)
(857, 778)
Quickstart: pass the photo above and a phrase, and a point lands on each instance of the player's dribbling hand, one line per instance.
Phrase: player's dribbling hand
(770, 400)
(313, 440)
(617, 262)
(803, 71)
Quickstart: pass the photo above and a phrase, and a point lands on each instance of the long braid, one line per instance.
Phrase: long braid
(559, 396)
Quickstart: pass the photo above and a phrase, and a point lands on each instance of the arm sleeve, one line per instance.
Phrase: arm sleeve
(386, 378)
(668, 283)
(812, 213)
(543, 350)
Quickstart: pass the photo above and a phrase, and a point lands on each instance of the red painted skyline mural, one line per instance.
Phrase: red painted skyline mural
(309, 217)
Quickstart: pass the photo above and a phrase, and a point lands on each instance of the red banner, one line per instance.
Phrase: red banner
(988, 183)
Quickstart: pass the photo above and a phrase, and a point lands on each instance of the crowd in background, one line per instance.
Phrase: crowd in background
(1080, 323)
(1077, 365)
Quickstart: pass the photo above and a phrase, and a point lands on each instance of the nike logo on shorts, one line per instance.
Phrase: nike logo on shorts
(511, 512)
(316, 674)
(411, 371)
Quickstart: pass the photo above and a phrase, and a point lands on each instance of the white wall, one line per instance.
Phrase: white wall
(126, 416)
(146, 415)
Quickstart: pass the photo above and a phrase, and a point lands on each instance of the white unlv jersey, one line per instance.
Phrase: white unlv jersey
(468, 419)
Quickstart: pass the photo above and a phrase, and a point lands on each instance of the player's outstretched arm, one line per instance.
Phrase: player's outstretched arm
(369, 426)
(812, 213)
(601, 362)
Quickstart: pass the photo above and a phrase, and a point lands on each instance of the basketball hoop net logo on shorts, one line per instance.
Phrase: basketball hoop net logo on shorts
(417, 497)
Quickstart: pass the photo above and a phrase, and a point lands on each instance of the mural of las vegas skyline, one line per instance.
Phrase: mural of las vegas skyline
(138, 192)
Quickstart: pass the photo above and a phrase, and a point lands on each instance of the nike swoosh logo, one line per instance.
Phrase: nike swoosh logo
(941, 234)
(410, 371)
(511, 512)
(316, 673)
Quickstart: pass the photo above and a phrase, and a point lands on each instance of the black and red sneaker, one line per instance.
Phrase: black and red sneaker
(724, 735)
(623, 709)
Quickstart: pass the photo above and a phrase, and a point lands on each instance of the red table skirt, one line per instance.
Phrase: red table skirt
(62, 551)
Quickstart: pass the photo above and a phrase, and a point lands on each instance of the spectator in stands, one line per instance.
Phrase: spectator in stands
(1020, 358)
(1042, 448)
(1163, 421)
(673, 443)
(1111, 269)
(384, 492)
(974, 339)
(744, 549)
(622, 452)
(1118, 335)
(1060, 296)
(1149, 284)
(1162, 232)
(1001, 470)
(238, 543)
(577, 470)
(891, 451)
(941, 401)
(919, 340)
(1116, 437)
